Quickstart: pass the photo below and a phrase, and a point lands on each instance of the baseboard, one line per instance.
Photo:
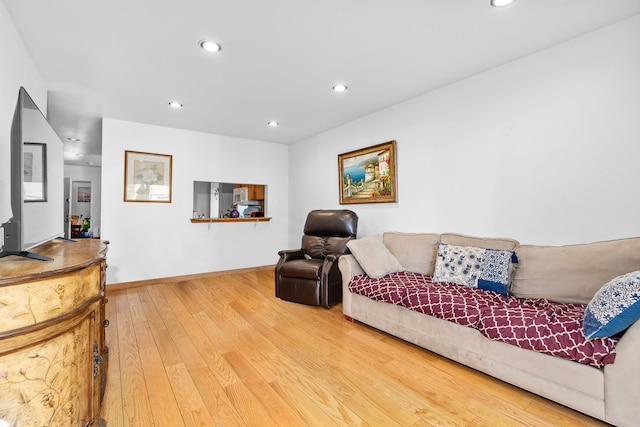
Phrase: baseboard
(128, 285)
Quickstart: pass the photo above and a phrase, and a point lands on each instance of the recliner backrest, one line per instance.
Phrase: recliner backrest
(326, 232)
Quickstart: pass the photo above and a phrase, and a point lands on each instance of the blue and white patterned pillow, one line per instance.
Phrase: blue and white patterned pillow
(458, 264)
(488, 269)
(496, 271)
(614, 308)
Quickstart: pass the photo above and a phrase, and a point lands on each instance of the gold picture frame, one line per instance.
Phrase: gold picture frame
(368, 175)
(147, 177)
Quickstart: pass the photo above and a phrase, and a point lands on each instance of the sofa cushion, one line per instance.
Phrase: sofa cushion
(374, 257)
(547, 327)
(415, 251)
(391, 288)
(614, 308)
(572, 273)
(538, 325)
(456, 303)
(458, 264)
(478, 242)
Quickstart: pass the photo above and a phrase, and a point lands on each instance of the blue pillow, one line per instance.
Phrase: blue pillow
(614, 308)
(496, 268)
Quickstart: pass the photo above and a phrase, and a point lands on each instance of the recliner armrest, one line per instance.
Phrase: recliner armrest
(331, 279)
(291, 254)
(328, 264)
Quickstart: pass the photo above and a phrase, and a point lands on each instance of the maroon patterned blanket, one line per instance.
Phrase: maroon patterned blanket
(535, 324)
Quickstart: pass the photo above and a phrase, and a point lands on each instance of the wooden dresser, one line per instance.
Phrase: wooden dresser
(53, 360)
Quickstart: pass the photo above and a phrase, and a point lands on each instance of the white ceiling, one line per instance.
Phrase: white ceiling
(127, 59)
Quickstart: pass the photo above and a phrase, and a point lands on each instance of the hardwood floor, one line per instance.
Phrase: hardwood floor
(223, 350)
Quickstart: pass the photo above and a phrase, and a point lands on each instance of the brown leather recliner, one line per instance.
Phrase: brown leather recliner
(310, 275)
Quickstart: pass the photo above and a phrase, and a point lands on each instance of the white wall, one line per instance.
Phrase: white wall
(544, 149)
(154, 240)
(93, 174)
(17, 70)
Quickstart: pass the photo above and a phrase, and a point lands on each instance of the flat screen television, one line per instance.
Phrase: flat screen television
(37, 182)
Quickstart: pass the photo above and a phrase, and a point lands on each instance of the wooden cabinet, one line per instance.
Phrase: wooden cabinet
(53, 359)
(256, 192)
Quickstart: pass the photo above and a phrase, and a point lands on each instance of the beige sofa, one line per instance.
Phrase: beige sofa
(565, 274)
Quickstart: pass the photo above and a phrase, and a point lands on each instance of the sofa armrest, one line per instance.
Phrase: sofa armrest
(622, 392)
(349, 268)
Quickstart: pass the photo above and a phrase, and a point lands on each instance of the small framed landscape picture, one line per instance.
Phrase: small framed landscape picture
(147, 177)
(368, 175)
(35, 172)
(84, 194)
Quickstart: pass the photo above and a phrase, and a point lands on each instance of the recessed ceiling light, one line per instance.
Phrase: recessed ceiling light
(73, 139)
(273, 123)
(175, 104)
(210, 46)
(340, 88)
(500, 3)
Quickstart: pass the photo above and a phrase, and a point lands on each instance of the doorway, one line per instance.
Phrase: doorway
(80, 203)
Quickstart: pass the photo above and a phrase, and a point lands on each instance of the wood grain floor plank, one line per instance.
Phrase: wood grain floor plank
(303, 404)
(279, 410)
(136, 409)
(135, 305)
(180, 335)
(313, 383)
(194, 411)
(202, 349)
(215, 399)
(248, 406)
(112, 403)
(166, 411)
(216, 294)
(557, 414)
(165, 344)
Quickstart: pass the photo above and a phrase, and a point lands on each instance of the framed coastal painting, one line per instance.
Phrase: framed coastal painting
(147, 177)
(368, 175)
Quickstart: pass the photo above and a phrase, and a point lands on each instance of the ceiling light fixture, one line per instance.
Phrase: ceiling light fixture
(210, 46)
(339, 88)
(175, 104)
(273, 124)
(73, 139)
(500, 3)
